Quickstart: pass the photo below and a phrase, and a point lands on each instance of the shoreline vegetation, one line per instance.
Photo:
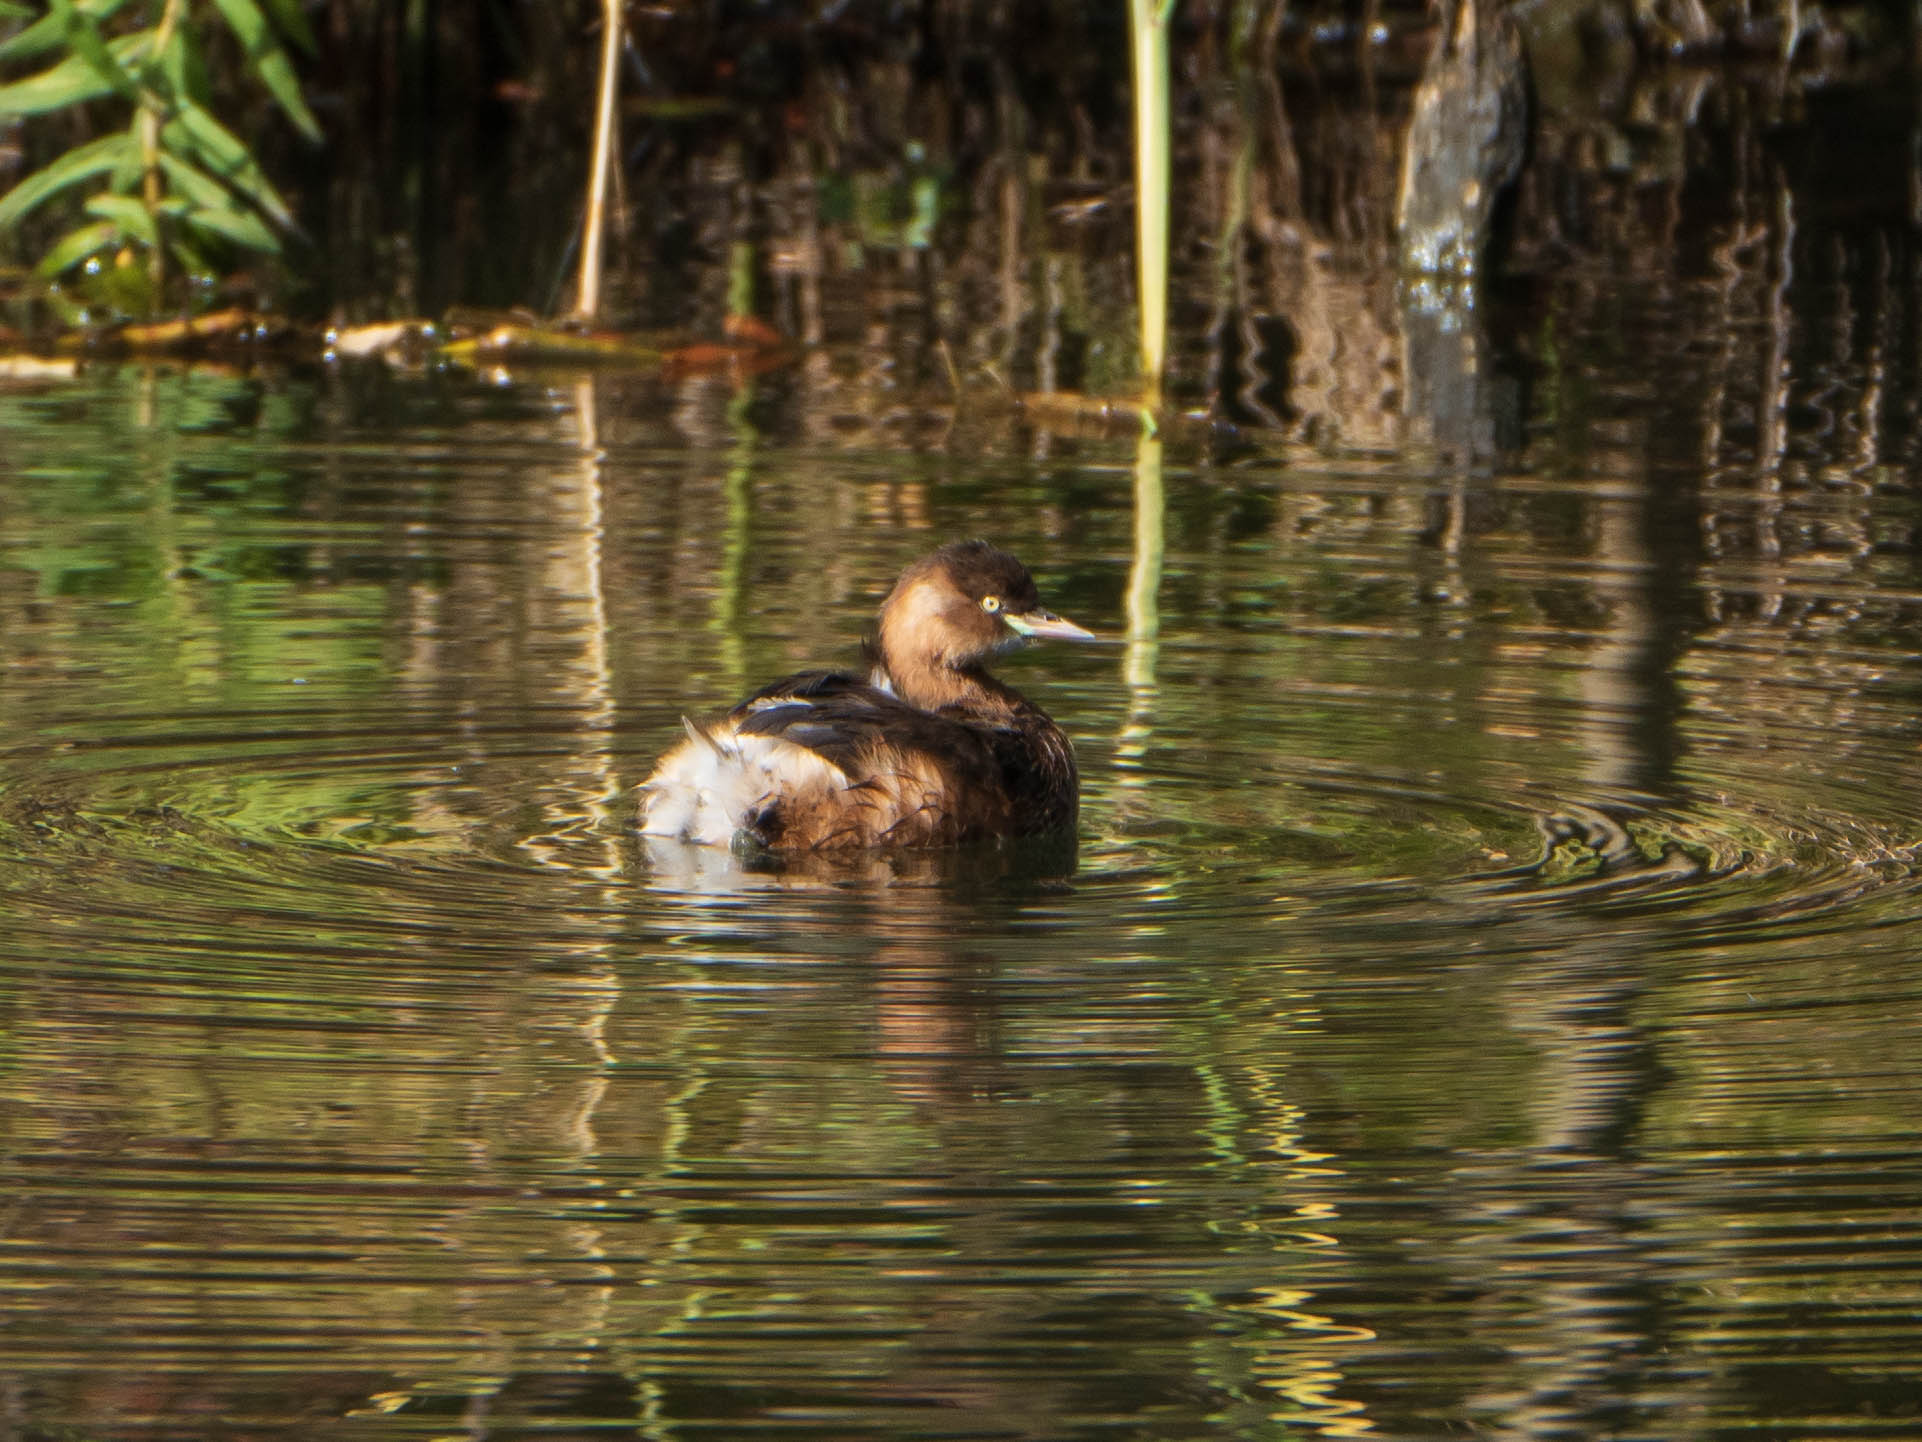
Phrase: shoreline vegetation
(758, 175)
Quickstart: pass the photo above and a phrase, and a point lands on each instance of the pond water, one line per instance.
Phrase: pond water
(1484, 998)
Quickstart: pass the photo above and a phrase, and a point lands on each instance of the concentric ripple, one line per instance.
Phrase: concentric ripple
(1482, 998)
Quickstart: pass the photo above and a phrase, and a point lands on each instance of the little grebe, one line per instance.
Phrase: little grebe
(927, 750)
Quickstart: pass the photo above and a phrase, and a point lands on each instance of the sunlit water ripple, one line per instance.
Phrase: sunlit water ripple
(1478, 998)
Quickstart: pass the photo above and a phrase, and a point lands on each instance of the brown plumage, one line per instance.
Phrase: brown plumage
(927, 749)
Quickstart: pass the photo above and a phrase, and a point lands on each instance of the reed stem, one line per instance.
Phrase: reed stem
(1148, 22)
(588, 298)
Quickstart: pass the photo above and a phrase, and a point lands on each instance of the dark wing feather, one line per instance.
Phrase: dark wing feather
(804, 686)
(874, 737)
(852, 724)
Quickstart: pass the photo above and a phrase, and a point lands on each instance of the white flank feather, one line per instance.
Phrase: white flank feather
(706, 788)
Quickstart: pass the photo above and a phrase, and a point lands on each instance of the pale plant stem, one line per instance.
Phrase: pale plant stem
(588, 297)
(152, 189)
(1148, 32)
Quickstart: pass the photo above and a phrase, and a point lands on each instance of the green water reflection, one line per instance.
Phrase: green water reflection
(1483, 998)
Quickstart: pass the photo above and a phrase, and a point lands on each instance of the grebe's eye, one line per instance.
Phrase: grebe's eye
(991, 604)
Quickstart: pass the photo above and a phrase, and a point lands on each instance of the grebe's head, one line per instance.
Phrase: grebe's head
(963, 605)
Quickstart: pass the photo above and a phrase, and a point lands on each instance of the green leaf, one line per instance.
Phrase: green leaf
(75, 166)
(239, 226)
(128, 172)
(130, 215)
(49, 32)
(91, 46)
(70, 311)
(276, 72)
(192, 182)
(291, 21)
(77, 245)
(191, 257)
(196, 134)
(243, 17)
(190, 57)
(71, 81)
(43, 35)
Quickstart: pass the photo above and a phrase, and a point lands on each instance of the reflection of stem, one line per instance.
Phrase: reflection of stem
(737, 487)
(1144, 609)
(1772, 446)
(589, 295)
(593, 537)
(581, 578)
(1144, 575)
(1615, 693)
(730, 586)
(600, 711)
(160, 454)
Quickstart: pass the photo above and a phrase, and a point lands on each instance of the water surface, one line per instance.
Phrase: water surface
(1484, 998)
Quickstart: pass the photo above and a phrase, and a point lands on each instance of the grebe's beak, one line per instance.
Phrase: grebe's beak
(1039, 625)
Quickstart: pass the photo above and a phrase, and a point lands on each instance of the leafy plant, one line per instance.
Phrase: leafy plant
(174, 183)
